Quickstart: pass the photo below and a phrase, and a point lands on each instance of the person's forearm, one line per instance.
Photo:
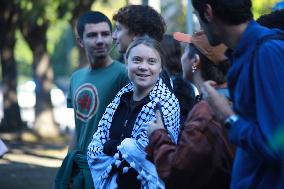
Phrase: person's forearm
(250, 137)
(161, 150)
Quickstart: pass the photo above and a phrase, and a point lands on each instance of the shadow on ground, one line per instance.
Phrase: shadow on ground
(30, 164)
(20, 175)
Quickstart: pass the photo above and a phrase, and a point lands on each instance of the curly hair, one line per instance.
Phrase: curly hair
(273, 20)
(141, 20)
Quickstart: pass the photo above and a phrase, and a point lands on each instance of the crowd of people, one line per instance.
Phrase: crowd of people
(208, 116)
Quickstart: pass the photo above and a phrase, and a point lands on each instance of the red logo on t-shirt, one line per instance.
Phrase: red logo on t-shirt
(86, 102)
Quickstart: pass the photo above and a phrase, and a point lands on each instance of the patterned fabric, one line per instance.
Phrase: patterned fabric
(132, 150)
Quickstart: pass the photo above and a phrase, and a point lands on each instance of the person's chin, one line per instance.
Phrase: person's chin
(144, 83)
(140, 82)
(101, 56)
(214, 43)
(121, 49)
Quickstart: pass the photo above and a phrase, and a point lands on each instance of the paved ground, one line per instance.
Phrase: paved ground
(30, 164)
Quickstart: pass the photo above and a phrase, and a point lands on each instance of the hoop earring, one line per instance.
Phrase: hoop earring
(194, 67)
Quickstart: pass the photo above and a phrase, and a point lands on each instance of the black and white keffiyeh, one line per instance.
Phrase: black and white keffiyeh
(132, 149)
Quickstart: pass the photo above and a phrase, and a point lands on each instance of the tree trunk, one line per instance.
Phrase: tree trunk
(35, 36)
(81, 7)
(12, 118)
(43, 77)
(174, 15)
(8, 20)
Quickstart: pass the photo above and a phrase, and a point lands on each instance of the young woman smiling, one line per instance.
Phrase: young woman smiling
(116, 154)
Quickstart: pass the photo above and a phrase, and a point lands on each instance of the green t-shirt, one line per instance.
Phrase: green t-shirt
(89, 94)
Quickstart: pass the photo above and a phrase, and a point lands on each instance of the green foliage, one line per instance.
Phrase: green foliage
(60, 40)
(174, 13)
(74, 59)
(23, 56)
(54, 34)
(108, 7)
(261, 7)
(39, 11)
(63, 44)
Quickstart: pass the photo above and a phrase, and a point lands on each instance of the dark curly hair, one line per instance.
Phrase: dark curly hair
(141, 20)
(273, 20)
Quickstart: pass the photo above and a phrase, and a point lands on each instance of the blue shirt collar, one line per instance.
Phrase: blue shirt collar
(245, 41)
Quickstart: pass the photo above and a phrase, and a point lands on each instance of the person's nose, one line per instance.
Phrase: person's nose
(99, 40)
(114, 35)
(143, 66)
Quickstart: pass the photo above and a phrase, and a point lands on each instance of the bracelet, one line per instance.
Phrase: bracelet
(231, 120)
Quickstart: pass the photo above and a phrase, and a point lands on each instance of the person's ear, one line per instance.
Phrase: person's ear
(79, 41)
(208, 13)
(162, 65)
(126, 61)
(197, 59)
(161, 69)
(134, 36)
(196, 63)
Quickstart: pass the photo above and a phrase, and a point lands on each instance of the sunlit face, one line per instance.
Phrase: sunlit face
(122, 37)
(187, 63)
(96, 41)
(144, 66)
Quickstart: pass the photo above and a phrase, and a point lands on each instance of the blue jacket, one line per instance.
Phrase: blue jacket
(257, 90)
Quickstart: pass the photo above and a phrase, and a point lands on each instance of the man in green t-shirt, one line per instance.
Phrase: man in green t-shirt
(91, 89)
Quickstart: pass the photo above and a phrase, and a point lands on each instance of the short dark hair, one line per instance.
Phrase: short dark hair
(231, 12)
(172, 52)
(210, 70)
(273, 20)
(141, 20)
(91, 17)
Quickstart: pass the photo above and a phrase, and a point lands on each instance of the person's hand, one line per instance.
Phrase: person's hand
(155, 124)
(218, 102)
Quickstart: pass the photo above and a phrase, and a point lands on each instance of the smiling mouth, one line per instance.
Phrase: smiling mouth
(100, 49)
(143, 75)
